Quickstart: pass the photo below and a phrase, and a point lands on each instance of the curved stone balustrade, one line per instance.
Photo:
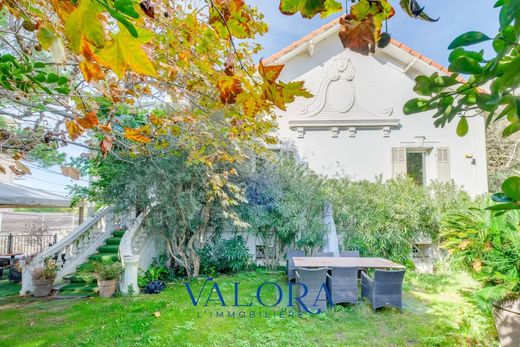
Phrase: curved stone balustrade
(73, 250)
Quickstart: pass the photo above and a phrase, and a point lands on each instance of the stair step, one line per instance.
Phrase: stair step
(113, 241)
(109, 249)
(104, 256)
(119, 233)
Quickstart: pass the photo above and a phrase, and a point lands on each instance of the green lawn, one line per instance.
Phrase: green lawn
(438, 312)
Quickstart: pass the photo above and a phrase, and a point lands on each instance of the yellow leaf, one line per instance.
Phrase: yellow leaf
(51, 42)
(136, 135)
(157, 314)
(125, 53)
(83, 21)
(75, 130)
(88, 121)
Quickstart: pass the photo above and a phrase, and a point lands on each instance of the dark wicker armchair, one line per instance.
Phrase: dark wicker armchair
(313, 279)
(342, 284)
(386, 289)
(290, 263)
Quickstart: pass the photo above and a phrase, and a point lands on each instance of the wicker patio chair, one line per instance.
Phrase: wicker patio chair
(342, 283)
(313, 279)
(290, 262)
(349, 253)
(386, 289)
(324, 254)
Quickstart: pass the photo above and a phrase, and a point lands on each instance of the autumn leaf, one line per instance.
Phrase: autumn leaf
(51, 42)
(2, 169)
(157, 314)
(106, 145)
(279, 93)
(71, 172)
(230, 17)
(88, 121)
(250, 104)
(20, 169)
(91, 71)
(358, 36)
(230, 87)
(310, 8)
(379, 11)
(125, 52)
(136, 135)
(75, 130)
(84, 22)
(156, 120)
(105, 127)
(293, 89)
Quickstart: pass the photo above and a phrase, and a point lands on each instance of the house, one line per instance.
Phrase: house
(354, 125)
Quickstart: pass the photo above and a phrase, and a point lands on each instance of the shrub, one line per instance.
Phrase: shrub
(383, 219)
(107, 270)
(284, 208)
(488, 246)
(225, 256)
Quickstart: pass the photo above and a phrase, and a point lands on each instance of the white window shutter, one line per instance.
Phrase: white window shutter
(399, 161)
(443, 165)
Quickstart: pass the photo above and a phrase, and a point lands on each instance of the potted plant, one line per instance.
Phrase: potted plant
(43, 278)
(107, 274)
(487, 244)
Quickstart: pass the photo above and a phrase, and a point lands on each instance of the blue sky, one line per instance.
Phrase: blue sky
(430, 39)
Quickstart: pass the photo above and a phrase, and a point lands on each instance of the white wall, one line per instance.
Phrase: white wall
(352, 90)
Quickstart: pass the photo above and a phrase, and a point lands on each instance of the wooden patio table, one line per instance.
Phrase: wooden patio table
(361, 262)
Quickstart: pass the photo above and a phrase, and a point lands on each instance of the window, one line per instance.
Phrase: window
(415, 166)
(260, 252)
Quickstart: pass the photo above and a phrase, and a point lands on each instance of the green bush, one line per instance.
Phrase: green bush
(384, 218)
(226, 256)
(284, 208)
(107, 270)
(488, 246)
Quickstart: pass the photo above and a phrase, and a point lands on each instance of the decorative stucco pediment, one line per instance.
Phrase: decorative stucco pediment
(339, 103)
(338, 95)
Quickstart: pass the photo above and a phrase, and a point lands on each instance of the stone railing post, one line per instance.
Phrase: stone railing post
(130, 264)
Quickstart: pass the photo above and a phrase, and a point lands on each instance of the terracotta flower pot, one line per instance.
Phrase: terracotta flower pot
(507, 321)
(107, 288)
(42, 287)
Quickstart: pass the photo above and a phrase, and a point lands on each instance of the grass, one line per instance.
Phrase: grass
(438, 312)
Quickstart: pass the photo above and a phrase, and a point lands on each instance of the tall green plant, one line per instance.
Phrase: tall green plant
(488, 246)
(285, 202)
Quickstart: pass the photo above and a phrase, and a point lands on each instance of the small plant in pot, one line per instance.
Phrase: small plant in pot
(43, 278)
(107, 273)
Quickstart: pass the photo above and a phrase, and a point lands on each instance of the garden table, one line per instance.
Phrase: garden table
(361, 262)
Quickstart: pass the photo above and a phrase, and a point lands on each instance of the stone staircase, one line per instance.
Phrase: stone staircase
(82, 282)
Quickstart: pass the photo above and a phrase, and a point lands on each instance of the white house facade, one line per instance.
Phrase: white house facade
(354, 125)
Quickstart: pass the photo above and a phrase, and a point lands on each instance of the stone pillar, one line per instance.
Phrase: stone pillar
(27, 285)
(130, 263)
(331, 241)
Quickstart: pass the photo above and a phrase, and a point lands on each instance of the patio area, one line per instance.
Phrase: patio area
(437, 312)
